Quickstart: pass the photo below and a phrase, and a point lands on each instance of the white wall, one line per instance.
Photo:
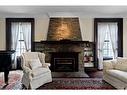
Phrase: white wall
(41, 28)
(125, 37)
(2, 34)
(86, 26)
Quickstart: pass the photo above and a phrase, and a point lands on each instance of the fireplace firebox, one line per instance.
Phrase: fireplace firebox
(64, 61)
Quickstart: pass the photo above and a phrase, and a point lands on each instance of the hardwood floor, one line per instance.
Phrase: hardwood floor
(95, 74)
(86, 74)
(69, 75)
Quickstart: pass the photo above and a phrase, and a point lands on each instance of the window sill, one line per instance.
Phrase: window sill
(107, 58)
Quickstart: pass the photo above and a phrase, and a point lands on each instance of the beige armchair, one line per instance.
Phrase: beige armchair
(36, 71)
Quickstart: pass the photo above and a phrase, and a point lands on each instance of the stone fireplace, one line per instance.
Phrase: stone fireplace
(64, 46)
(64, 52)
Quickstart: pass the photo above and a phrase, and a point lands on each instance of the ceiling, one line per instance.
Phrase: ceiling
(82, 11)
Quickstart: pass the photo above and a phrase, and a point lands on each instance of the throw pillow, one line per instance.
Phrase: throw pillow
(121, 64)
(34, 63)
(122, 67)
(121, 60)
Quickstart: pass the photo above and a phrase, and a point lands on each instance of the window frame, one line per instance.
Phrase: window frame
(119, 21)
(8, 30)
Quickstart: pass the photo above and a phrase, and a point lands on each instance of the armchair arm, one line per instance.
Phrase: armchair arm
(27, 70)
(46, 65)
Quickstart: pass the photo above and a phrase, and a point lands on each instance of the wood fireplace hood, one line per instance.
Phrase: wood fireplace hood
(64, 30)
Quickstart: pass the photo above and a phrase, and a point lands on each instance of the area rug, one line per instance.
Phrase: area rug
(77, 83)
(57, 83)
(14, 80)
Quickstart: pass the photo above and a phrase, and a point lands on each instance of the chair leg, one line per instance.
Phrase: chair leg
(29, 87)
(23, 86)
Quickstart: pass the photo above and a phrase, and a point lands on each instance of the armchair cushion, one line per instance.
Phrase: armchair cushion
(122, 67)
(121, 60)
(35, 63)
(118, 74)
(39, 71)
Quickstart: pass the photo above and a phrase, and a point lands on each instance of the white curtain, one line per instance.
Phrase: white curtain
(113, 35)
(26, 29)
(14, 32)
(102, 28)
(16, 29)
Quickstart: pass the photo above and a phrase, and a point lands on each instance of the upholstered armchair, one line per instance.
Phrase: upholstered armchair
(36, 71)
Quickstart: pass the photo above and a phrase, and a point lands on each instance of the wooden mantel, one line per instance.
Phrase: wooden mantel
(63, 42)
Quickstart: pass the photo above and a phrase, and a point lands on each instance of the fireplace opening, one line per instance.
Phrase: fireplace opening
(64, 64)
(64, 61)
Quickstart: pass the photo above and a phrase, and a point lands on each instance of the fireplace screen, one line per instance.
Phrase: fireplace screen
(64, 64)
(64, 61)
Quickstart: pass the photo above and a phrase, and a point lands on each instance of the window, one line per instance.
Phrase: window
(107, 47)
(19, 37)
(108, 38)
